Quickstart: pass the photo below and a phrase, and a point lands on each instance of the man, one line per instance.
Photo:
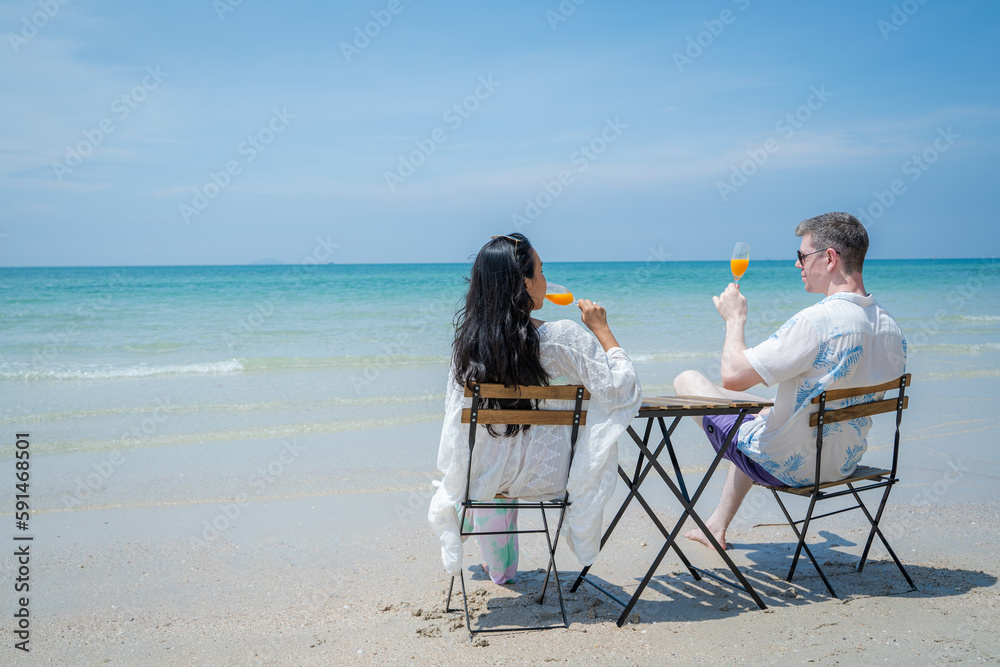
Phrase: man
(846, 340)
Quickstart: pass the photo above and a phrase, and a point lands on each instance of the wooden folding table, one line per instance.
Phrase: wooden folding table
(657, 410)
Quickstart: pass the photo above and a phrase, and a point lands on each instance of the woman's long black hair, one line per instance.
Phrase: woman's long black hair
(495, 341)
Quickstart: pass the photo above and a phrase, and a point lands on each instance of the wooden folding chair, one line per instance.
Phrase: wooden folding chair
(861, 402)
(478, 414)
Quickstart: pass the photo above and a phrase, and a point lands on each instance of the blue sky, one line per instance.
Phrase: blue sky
(196, 132)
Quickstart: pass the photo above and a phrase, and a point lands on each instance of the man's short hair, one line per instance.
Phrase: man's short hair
(840, 231)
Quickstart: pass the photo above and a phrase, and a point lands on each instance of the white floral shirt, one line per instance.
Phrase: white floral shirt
(844, 341)
(532, 465)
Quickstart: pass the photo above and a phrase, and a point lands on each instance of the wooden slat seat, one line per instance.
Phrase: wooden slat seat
(860, 474)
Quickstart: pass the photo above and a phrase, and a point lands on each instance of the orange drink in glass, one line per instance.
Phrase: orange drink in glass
(740, 261)
(558, 294)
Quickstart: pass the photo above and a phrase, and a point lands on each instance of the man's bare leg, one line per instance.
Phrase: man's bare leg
(737, 483)
(733, 492)
(693, 383)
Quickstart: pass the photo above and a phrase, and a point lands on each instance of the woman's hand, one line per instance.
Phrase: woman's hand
(596, 319)
(592, 314)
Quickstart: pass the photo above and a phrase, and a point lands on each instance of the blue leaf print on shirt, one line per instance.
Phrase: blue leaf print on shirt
(837, 332)
(785, 470)
(826, 356)
(828, 430)
(804, 394)
(853, 454)
(848, 361)
(794, 462)
(788, 479)
(769, 465)
(854, 400)
(783, 328)
(861, 425)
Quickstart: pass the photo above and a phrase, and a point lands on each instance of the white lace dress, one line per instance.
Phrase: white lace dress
(532, 465)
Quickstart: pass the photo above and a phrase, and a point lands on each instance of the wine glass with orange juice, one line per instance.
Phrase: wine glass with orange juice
(740, 261)
(558, 294)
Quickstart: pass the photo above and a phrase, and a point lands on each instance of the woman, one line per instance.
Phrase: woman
(497, 341)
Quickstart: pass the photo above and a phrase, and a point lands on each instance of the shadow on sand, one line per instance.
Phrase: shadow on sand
(674, 595)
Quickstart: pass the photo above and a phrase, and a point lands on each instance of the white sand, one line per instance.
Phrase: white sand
(336, 565)
(122, 587)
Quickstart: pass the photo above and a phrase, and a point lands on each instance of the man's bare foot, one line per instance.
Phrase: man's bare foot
(698, 536)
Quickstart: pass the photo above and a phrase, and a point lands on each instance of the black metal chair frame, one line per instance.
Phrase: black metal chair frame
(477, 415)
(863, 479)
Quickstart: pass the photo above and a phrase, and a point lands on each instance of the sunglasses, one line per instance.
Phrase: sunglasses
(802, 258)
(509, 238)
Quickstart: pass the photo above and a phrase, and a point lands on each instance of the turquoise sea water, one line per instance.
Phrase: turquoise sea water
(235, 353)
(101, 323)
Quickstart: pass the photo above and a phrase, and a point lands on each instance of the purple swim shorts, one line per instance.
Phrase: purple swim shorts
(717, 428)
